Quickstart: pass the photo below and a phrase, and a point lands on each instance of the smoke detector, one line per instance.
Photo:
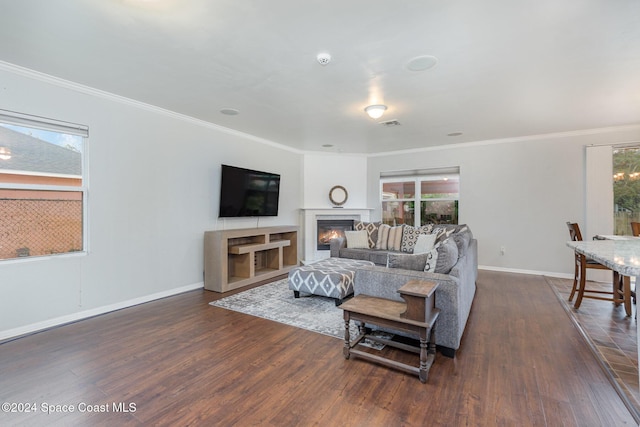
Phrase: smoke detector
(323, 58)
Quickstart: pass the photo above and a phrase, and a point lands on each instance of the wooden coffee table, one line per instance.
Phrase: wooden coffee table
(416, 317)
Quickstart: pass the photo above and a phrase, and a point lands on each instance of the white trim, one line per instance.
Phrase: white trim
(45, 174)
(532, 272)
(74, 317)
(567, 134)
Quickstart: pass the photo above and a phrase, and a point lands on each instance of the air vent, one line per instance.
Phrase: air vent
(390, 123)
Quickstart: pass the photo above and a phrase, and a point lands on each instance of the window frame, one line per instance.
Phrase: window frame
(418, 177)
(47, 124)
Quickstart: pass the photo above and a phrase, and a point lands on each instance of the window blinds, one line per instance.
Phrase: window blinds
(11, 117)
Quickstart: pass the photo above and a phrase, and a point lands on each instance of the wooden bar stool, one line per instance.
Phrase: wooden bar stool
(621, 292)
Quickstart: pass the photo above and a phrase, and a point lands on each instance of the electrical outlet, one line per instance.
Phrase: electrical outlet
(502, 250)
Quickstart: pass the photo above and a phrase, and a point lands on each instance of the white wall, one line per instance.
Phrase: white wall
(517, 194)
(154, 186)
(323, 171)
(153, 191)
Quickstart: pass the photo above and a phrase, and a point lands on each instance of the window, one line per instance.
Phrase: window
(435, 193)
(626, 188)
(42, 186)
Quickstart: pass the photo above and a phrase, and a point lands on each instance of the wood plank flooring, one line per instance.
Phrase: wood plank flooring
(183, 362)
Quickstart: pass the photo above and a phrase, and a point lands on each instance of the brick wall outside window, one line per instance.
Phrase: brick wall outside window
(32, 227)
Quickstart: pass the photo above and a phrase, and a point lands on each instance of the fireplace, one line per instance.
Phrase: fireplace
(310, 218)
(331, 228)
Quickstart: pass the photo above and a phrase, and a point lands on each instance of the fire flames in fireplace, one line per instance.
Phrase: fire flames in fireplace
(331, 229)
(326, 237)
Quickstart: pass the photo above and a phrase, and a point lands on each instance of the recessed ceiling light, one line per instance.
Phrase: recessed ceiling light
(230, 111)
(421, 63)
(454, 134)
(323, 58)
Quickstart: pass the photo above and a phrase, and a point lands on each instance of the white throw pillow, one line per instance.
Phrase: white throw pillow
(425, 243)
(357, 239)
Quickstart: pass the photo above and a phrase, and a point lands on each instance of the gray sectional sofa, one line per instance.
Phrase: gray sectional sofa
(455, 271)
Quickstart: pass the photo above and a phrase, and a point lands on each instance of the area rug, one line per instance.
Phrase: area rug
(611, 335)
(275, 301)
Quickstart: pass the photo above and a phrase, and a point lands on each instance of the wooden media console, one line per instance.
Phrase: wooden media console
(237, 258)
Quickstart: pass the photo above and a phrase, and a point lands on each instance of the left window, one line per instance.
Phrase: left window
(43, 190)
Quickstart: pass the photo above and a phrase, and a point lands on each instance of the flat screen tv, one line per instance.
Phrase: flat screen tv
(246, 192)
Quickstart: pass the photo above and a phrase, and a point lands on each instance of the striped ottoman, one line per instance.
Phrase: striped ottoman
(331, 277)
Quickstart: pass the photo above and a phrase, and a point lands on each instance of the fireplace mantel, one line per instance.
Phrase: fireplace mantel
(310, 216)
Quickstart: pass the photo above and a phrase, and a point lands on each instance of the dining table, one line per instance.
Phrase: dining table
(619, 253)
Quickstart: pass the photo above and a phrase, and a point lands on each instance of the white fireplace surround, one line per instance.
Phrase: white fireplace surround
(310, 219)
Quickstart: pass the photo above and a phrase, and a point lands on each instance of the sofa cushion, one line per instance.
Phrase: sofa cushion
(447, 256)
(462, 241)
(372, 231)
(407, 261)
(357, 239)
(362, 254)
(410, 236)
(389, 238)
(378, 257)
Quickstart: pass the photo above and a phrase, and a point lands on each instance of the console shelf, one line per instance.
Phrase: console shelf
(237, 258)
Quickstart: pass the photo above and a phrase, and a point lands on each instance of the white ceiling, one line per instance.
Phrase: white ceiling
(506, 68)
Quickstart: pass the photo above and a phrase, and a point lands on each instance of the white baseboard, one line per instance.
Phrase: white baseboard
(534, 272)
(74, 317)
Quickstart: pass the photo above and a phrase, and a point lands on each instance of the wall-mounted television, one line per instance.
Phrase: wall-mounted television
(246, 192)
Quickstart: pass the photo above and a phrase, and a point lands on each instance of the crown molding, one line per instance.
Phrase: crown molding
(567, 134)
(56, 81)
(87, 90)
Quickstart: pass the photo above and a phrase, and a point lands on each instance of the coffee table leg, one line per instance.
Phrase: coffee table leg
(347, 338)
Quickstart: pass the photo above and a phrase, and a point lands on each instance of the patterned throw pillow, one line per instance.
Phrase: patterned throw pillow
(357, 239)
(443, 233)
(389, 238)
(410, 236)
(432, 261)
(395, 238)
(383, 236)
(372, 231)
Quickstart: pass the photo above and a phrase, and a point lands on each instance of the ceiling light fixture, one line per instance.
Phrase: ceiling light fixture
(375, 111)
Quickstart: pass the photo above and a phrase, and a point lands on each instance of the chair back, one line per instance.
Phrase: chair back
(635, 228)
(574, 231)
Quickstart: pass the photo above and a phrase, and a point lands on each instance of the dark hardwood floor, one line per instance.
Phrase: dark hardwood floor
(183, 362)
